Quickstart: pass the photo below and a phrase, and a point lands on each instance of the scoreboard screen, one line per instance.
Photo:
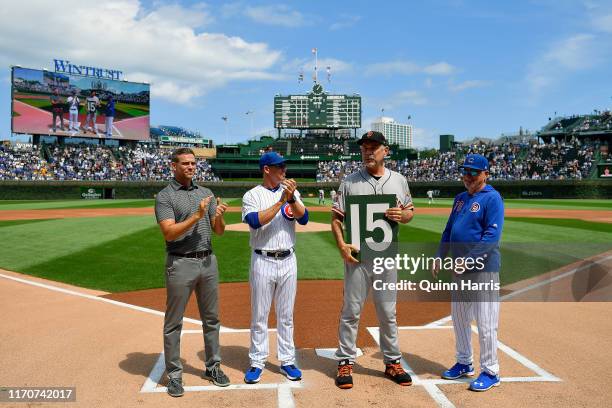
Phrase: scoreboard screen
(317, 110)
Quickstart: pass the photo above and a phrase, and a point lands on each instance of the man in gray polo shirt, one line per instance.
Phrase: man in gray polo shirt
(187, 214)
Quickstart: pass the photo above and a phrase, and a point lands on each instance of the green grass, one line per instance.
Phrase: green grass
(10, 223)
(127, 253)
(64, 204)
(134, 261)
(566, 223)
(133, 112)
(39, 103)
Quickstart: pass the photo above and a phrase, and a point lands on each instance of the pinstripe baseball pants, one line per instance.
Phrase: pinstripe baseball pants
(484, 308)
(269, 279)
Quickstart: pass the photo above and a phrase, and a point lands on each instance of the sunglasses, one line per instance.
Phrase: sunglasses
(471, 172)
(278, 166)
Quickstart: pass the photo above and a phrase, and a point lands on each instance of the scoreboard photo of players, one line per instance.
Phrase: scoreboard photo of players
(60, 104)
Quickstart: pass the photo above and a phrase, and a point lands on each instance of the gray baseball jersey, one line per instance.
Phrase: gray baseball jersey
(358, 278)
(363, 183)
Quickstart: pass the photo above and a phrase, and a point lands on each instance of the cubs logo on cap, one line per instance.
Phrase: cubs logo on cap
(476, 162)
(287, 212)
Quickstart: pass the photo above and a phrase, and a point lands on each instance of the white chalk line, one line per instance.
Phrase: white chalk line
(431, 385)
(115, 302)
(150, 384)
(556, 278)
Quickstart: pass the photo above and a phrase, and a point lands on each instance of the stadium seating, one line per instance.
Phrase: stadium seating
(508, 161)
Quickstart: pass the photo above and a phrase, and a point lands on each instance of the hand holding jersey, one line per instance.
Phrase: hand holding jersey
(364, 200)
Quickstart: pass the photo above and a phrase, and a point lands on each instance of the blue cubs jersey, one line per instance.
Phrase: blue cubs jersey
(475, 226)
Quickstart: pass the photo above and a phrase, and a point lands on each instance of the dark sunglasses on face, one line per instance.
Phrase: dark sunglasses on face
(471, 172)
(278, 166)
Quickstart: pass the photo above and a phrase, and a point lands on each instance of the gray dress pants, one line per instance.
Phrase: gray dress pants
(183, 276)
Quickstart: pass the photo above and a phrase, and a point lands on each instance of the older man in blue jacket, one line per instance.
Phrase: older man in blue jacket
(474, 231)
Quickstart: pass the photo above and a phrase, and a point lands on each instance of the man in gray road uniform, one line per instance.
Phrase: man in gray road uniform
(187, 214)
(372, 179)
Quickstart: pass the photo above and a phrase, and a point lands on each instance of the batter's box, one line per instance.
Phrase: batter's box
(235, 360)
(422, 365)
(427, 364)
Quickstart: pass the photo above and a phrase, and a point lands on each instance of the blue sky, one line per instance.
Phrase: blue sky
(469, 68)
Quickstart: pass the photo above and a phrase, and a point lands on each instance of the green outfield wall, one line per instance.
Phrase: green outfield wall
(70, 190)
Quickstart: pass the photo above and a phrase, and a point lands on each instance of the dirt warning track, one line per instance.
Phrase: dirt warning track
(586, 215)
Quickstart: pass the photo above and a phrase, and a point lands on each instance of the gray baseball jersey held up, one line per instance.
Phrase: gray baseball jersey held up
(358, 278)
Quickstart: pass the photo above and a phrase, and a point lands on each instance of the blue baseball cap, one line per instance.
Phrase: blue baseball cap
(476, 162)
(270, 159)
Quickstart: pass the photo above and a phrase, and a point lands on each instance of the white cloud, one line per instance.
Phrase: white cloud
(404, 67)
(603, 22)
(344, 21)
(159, 45)
(473, 83)
(277, 14)
(411, 98)
(408, 97)
(440, 68)
(306, 65)
(425, 138)
(572, 54)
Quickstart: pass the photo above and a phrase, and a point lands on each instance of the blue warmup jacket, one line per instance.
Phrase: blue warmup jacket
(474, 227)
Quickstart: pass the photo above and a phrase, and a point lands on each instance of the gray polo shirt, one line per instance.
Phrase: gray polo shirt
(176, 202)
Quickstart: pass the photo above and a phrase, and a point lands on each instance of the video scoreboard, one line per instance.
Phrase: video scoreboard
(317, 110)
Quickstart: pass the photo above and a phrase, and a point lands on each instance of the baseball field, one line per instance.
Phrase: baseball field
(82, 292)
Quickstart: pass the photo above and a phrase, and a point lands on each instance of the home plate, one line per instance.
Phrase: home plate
(330, 353)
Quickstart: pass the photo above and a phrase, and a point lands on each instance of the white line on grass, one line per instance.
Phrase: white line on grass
(114, 302)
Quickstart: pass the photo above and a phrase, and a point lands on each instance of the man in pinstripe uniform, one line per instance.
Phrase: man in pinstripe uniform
(474, 230)
(271, 210)
(187, 215)
(372, 179)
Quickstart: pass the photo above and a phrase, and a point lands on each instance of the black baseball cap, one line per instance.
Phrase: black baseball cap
(375, 136)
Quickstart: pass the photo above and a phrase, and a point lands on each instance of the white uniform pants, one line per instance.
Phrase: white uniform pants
(74, 119)
(109, 126)
(269, 279)
(487, 320)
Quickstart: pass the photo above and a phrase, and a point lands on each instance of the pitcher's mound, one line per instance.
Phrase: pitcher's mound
(310, 227)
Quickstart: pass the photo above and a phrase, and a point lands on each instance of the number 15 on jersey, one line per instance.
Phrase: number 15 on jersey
(366, 225)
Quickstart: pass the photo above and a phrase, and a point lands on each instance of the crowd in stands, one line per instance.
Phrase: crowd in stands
(89, 162)
(508, 161)
(553, 161)
(21, 162)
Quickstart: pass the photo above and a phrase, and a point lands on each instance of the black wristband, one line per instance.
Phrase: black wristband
(291, 201)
